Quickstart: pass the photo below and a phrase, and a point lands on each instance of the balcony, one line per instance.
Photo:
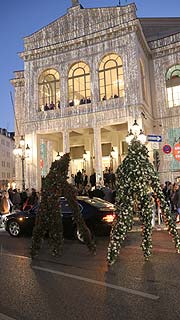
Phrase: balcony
(87, 108)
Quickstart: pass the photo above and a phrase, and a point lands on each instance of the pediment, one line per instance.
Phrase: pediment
(79, 22)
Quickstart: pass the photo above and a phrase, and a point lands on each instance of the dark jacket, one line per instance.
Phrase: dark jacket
(176, 199)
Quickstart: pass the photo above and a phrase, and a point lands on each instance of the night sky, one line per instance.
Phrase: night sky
(19, 18)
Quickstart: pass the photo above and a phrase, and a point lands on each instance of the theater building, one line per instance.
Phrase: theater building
(87, 76)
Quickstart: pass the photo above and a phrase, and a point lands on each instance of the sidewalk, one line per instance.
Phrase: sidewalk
(157, 227)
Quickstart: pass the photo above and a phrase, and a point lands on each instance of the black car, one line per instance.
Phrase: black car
(97, 213)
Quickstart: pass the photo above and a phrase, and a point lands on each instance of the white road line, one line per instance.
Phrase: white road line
(4, 317)
(100, 283)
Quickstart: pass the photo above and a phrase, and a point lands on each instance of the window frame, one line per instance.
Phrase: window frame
(117, 70)
(49, 78)
(172, 78)
(74, 81)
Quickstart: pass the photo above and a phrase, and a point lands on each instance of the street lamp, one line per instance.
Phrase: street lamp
(112, 152)
(112, 155)
(136, 133)
(58, 156)
(22, 154)
(85, 155)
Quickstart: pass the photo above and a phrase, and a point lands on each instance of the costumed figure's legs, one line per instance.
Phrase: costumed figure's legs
(39, 232)
(55, 239)
(69, 192)
(121, 225)
(146, 219)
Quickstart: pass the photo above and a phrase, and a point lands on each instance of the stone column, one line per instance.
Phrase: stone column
(64, 85)
(66, 146)
(38, 170)
(98, 153)
(34, 174)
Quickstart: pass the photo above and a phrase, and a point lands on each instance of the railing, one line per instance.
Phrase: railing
(81, 109)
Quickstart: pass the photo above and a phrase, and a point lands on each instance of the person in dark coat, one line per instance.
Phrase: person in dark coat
(93, 179)
(84, 178)
(78, 178)
(176, 201)
(16, 199)
(97, 192)
(108, 194)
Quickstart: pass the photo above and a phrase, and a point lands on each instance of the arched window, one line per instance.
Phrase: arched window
(173, 86)
(79, 84)
(111, 83)
(49, 90)
(143, 80)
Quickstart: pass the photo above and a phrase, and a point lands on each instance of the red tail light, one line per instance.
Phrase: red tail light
(109, 218)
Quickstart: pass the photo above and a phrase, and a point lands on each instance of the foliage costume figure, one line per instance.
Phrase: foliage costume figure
(135, 177)
(49, 219)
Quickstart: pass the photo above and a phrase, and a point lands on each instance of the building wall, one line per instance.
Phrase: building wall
(166, 53)
(88, 35)
(7, 170)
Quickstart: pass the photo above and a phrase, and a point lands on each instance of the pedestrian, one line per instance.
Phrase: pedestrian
(5, 206)
(108, 194)
(176, 201)
(97, 192)
(72, 179)
(93, 179)
(32, 200)
(84, 178)
(16, 199)
(172, 195)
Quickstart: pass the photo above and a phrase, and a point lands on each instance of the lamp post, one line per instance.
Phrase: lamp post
(112, 154)
(136, 133)
(58, 156)
(84, 158)
(22, 153)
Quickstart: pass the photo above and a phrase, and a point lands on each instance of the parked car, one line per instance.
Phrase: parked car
(97, 213)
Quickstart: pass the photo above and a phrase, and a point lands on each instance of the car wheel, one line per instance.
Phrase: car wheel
(14, 228)
(79, 236)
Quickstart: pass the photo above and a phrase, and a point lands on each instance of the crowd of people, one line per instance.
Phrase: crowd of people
(13, 199)
(50, 106)
(104, 188)
(171, 193)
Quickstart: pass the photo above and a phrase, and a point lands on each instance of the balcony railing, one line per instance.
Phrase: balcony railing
(88, 108)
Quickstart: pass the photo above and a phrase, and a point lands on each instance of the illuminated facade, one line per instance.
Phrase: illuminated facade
(86, 77)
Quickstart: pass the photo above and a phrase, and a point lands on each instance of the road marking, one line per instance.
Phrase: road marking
(100, 283)
(4, 317)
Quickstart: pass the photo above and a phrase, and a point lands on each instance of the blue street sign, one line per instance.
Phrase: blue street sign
(154, 138)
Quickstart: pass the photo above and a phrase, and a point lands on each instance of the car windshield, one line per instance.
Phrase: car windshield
(97, 202)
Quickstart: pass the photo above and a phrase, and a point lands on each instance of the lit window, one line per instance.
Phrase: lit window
(173, 86)
(111, 83)
(49, 90)
(79, 84)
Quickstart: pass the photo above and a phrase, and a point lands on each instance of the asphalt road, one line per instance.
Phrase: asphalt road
(78, 286)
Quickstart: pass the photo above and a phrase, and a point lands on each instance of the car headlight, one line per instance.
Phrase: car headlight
(21, 218)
